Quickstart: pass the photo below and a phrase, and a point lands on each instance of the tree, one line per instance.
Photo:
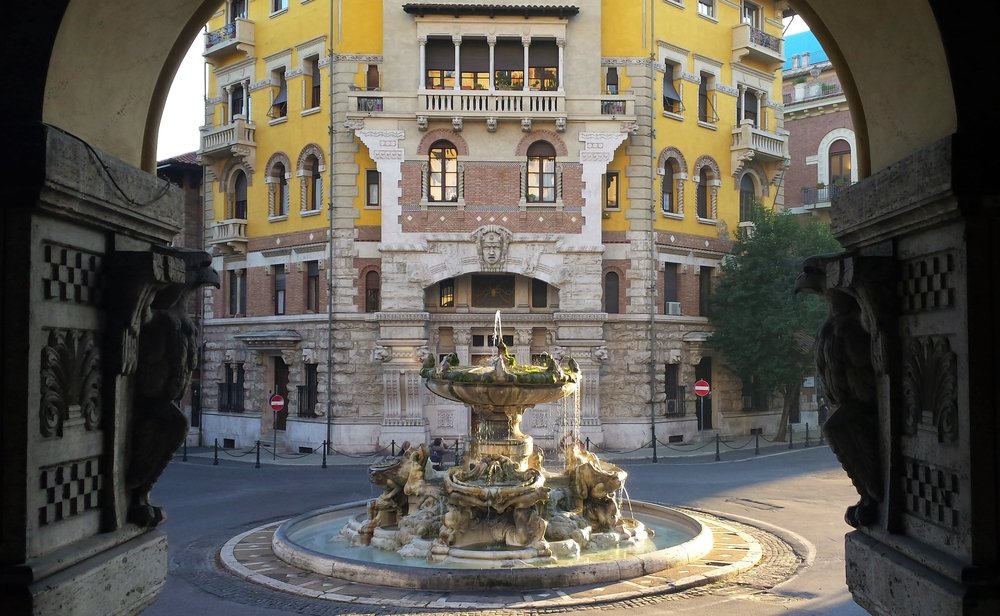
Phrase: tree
(764, 332)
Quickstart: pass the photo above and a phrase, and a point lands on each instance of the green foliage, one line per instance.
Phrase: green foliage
(762, 329)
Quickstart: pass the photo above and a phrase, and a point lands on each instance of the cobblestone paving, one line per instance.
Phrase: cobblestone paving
(744, 561)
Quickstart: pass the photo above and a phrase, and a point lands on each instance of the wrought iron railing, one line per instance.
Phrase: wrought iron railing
(225, 33)
(811, 195)
(759, 37)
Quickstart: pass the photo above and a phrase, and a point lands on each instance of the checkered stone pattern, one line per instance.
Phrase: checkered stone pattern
(72, 275)
(70, 489)
(931, 493)
(927, 283)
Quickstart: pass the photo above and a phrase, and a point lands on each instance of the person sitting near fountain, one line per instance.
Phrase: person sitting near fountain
(438, 449)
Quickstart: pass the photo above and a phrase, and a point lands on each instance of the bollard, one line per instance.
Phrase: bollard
(756, 444)
(257, 465)
(184, 457)
(215, 457)
(588, 444)
(716, 447)
(791, 436)
(807, 435)
(324, 454)
(392, 446)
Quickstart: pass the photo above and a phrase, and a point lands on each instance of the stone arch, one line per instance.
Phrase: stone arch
(277, 157)
(229, 171)
(672, 153)
(311, 149)
(443, 134)
(706, 161)
(759, 178)
(541, 135)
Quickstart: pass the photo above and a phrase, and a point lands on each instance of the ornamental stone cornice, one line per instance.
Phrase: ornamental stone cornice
(358, 58)
(580, 316)
(271, 340)
(402, 316)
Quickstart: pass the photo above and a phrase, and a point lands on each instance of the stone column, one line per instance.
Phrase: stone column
(526, 42)
(422, 42)
(491, 40)
(921, 260)
(82, 275)
(457, 40)
(561, 43)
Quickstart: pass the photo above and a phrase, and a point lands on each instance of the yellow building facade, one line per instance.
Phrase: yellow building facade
(382, 178)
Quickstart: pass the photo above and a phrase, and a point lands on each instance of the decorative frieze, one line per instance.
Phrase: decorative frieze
(71, 275)
(928, 283)
(930, 388)
(69, 489)
(931, 493)
(71, 382)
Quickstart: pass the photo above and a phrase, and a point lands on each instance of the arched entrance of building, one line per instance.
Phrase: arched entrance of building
(101, 71)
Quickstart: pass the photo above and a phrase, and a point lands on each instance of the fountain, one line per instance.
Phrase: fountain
(500, 509)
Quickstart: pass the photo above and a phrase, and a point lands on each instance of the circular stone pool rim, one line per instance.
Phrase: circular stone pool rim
(525, 578)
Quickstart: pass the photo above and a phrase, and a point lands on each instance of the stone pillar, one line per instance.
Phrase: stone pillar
(401, 347)
(922, 266)
(491, 40)
(457, 40)
(526, 42)
(80, 275)
(385, 149)
(595, 155)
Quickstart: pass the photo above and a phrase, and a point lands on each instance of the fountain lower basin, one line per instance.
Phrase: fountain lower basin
(309, 542)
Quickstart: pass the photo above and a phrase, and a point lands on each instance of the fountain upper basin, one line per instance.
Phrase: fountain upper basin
(500, 394)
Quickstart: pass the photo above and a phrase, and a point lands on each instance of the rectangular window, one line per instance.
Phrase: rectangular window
(704, 291)
(315, 85)
(373, 184)
(439, 58)
(492, 291)
(309, 393)
(544, 78)
(372, 78)
(706, 109)
(706, 8)
(475, 80)
(611, 190)
(611, 81)
(237, 292)
(447, 293)
(670, 283)
(671, 98)
(751, 14)
(231, 390)
(278, 273)
(671, 379)
(279, 5)
(312, 286)
(487, 340)
(279, 105)
(509, 80)
(701, 194)
(539, 293)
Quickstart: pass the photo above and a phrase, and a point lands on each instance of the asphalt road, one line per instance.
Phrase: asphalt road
(801, 494)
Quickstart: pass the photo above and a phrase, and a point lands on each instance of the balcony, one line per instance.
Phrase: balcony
(233, 139)
(230, 236)
(750, 142)
(814, 197)
(234, 37)
(500, 105)
(754, 44)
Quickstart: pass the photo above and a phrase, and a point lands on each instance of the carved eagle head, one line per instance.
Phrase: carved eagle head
(812, 279)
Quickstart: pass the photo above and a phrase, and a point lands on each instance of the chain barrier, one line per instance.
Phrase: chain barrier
(616, 451)
(685, 447)
(726, 443)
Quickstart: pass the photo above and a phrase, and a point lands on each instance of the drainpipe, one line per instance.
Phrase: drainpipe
(329, 258)
(652, 230)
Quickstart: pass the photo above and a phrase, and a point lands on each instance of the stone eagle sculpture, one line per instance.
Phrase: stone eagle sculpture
(167, 355)
(845, 368)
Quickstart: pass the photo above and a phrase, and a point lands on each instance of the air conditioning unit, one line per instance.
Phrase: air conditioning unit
(674, 308)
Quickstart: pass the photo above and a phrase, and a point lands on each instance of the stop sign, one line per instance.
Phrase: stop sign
(277, 403)
(701, 387)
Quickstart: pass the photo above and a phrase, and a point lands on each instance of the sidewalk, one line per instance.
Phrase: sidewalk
(709, 449)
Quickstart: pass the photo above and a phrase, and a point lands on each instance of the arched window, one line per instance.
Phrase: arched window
(373, 292)
(703, 179)
(280, 190)
(314, 184)
(541, 173)
(611, 293)
(240, 195)
(668, 193)
(840, 163)
(442, 185)
(747, 196)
